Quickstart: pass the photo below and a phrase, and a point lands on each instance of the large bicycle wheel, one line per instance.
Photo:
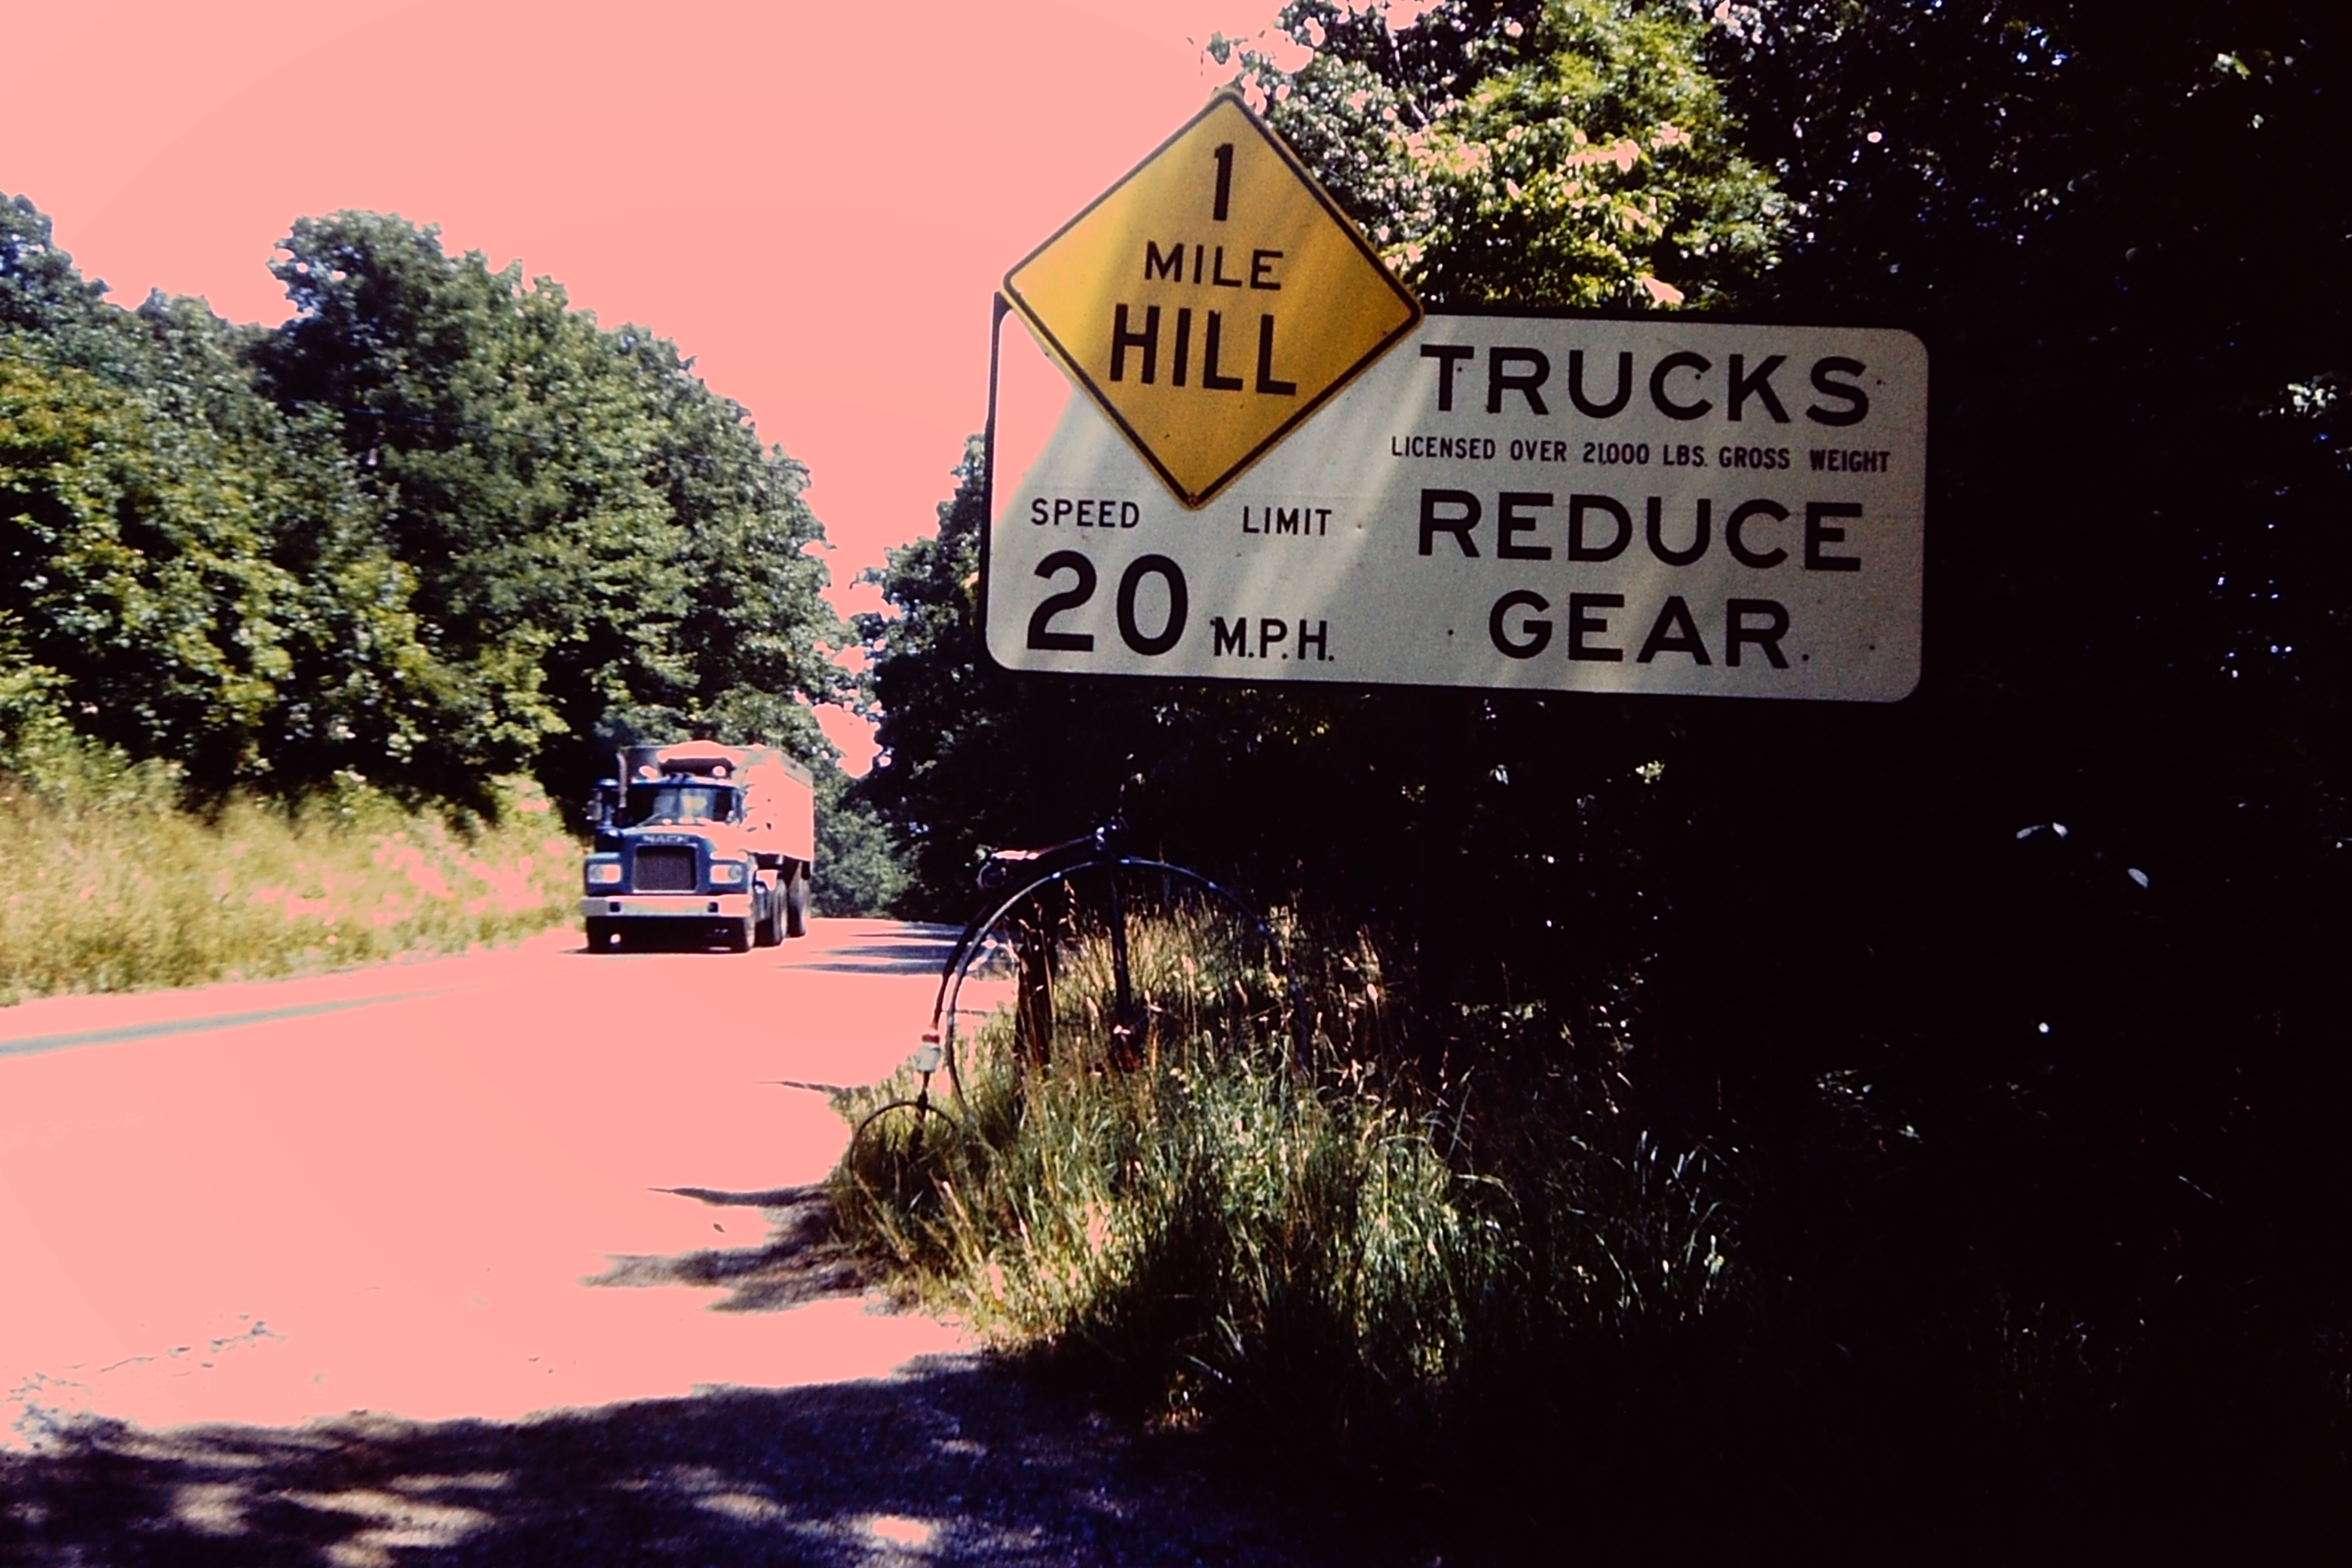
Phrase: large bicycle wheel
(1116, 965)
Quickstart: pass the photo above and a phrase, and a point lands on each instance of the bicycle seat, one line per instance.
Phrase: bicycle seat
(1001, 865)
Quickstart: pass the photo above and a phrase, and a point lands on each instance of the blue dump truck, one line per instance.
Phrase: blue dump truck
(700, 844)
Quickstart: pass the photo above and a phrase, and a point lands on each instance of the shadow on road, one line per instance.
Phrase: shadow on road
(954, 1462)
(911, 956)
(801, 1261)
(916, 950)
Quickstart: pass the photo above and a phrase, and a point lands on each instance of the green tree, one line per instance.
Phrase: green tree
(858, 870)
(2028, 1118)
(971, 757)
(601, 547)
(41, 290)
(436, 528)
(2116, 1046)
(1548, 152)
(353, 688)
(197, 576)
(137, 571)
(975, 758)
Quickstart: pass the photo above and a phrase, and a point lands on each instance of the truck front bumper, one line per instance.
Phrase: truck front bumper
(667, 907)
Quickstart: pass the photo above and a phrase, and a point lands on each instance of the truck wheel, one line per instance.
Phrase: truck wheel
(739, 935)
(796, 903)
(768, 930)
(601, 933)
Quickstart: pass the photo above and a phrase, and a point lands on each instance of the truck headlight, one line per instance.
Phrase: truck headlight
(728, 873)
(604, 873)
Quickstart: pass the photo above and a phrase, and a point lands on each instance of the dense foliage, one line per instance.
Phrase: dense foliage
(2009, 1005)
(1568, 153)
(436, 528)
(859, 872)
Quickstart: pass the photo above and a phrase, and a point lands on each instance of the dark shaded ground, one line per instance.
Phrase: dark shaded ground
(954, 1461)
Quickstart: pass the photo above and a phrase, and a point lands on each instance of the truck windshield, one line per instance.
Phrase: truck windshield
(680, 803)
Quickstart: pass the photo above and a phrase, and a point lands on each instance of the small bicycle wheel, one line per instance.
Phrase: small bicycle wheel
(897, 1149)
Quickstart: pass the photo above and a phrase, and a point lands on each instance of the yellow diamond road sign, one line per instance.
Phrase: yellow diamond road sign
(1211, 299)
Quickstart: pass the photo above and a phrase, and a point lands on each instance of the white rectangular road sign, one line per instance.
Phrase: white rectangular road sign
(1660, 505)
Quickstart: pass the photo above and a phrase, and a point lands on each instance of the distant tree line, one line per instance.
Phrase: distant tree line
(2017, 1002)
(436, 527)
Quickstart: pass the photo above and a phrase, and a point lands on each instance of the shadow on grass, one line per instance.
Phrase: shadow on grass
(951, 1461)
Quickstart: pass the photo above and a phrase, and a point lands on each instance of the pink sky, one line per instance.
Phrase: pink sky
(814, 200)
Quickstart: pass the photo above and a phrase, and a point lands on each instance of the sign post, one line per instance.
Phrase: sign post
(1660, 505)
(1211, 299)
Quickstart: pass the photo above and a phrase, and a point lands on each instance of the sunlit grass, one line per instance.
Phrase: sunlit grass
(107, 883)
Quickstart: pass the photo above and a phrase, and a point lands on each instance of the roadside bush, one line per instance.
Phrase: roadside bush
(1467, 1270)
(1344, 1258)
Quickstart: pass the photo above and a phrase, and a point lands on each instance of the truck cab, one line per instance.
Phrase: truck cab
(703, 844)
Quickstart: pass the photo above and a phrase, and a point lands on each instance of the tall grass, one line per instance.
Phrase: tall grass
(1405, 1272)
(108, 882)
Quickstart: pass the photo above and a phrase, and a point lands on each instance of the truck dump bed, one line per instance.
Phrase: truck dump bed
(779, 795)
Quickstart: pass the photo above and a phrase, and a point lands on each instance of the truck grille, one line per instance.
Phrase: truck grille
(664, 869)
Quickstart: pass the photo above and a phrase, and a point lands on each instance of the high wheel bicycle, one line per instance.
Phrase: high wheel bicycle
(1085, 958)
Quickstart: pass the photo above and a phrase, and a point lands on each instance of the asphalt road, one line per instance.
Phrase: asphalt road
(481, 1187)
(504, 1259)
